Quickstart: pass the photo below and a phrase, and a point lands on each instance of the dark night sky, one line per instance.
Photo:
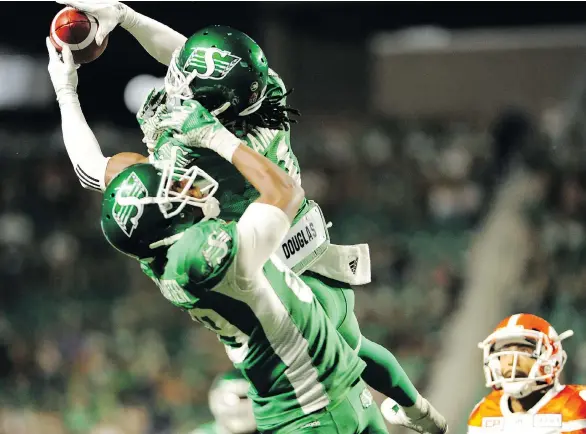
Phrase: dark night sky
(27, 23)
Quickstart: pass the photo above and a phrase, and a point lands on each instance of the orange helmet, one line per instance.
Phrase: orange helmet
(524, 329)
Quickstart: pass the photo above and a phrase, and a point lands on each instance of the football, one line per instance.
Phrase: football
(77, 30)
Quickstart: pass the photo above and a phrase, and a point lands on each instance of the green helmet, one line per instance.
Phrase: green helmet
(145, 206)
(219, 65)
(230, 405)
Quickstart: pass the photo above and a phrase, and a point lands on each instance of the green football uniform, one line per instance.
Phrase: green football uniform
(269, 321)
(227, 72)
(308, 237)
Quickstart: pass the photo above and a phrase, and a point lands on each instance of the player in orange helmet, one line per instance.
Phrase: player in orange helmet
(523, 359)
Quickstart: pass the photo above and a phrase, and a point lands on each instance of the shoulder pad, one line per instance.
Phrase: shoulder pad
(489, 406)
(575, 404)
(206, 251)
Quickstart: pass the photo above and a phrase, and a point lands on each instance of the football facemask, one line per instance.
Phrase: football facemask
(172, 200)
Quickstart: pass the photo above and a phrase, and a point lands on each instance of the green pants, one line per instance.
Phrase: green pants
(337, 299)
(383, 372)
(357, 413)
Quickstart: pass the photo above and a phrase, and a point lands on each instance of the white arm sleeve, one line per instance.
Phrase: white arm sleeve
(261, 229)
(156, 38)
(82, 147)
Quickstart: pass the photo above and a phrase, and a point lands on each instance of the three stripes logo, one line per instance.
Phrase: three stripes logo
(86, 180)
(127, 213)
(353, 264)
(211, 63)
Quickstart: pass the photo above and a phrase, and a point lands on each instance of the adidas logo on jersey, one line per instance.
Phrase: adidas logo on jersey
(313, 424)
(353, 265)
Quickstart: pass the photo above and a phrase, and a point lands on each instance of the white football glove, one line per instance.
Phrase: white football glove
(194, 126)
(63, 72)
(149, 117)
(152, 128)
(109, 14)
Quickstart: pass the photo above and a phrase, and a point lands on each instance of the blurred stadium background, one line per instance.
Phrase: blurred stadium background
(450, 137)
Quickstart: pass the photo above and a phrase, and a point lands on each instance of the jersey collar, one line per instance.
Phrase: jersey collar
(551, 393)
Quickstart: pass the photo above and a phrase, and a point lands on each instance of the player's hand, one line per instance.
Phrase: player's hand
(188, 123)
(109, 14)
(62, 70)
(194, 126)
(181, 118)
(154, 100)
(149, 117)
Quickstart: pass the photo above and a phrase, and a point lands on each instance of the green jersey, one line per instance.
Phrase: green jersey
(308, 237)
(269, 321)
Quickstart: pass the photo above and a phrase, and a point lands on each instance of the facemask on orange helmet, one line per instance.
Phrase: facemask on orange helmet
(526, 330)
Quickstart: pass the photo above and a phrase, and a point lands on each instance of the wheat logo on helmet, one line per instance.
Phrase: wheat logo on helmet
(210, 62)
(123, 210)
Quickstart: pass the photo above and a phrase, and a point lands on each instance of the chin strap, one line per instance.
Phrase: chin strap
(211, 209)
(166, 241)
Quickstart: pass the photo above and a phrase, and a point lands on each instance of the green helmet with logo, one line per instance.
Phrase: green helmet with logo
(219, 65)
(147, 206)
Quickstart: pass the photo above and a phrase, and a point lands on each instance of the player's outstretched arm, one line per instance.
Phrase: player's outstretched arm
(266, 221)
(275, 186)
(91, 167)
(156, 38)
